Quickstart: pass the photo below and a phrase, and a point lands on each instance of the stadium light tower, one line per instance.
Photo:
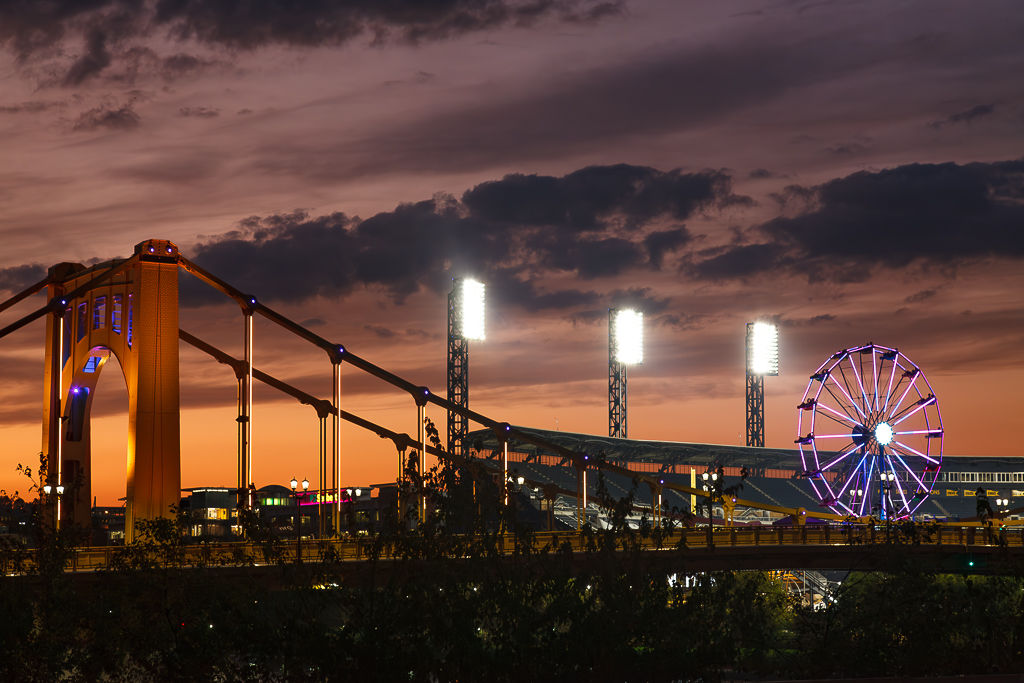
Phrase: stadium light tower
(465, 322)
(762, 359)
(625, 347)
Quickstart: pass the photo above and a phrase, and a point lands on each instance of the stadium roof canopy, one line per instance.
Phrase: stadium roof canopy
(700, 454)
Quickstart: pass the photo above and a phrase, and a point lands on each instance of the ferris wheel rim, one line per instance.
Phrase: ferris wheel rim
(872, 409)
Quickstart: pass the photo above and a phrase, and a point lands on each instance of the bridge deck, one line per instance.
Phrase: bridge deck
(966, 549)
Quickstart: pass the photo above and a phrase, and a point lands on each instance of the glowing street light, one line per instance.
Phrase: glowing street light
(625, 347)
(762, 359)
(298, 515)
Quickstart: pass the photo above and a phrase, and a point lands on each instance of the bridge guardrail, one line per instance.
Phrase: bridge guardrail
(107, 558)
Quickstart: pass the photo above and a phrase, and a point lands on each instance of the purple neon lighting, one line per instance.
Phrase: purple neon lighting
(848, 397)
(914, 451)
(888, 390)
(912, 473)
(897, 486)
(849, 480)
(841, 457)
(909, 456)
(842, 416)
(860, 385)
(913, 383)
(919, 407)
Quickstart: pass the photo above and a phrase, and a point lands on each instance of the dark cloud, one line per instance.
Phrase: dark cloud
(806, 322)
(120, 118)
(30, 107)
(682, 322)
(664, 90)
(918, 297)
(930, 214)
(583, 200)
(31, 28)
(846, 148)
(380, 332)
(759, 173)
(740, 261)
(967, 116)
(661, 242)
(95, 59)
(199, 112)
(18, 278)
(594, 223)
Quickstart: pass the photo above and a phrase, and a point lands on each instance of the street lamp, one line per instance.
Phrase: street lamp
(298, 515)
(59, 490)
(762, 359)
(855, 496)
(887, 479)
(713, 487)
(625, 347)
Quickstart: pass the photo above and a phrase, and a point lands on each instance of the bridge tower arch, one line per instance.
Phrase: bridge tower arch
(132, 314)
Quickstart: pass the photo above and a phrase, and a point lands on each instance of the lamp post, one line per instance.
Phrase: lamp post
(856, 496)
(59, 491)
(298, 515)
(713, 487)
(887, 478)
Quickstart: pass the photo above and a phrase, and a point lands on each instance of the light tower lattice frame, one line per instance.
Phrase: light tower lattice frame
(458, 371)
(617, 425)
(755, 410)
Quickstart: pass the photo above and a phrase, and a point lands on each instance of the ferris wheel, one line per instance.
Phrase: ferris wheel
(870, 433)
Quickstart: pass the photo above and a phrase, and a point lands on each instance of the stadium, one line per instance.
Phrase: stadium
(774, 476)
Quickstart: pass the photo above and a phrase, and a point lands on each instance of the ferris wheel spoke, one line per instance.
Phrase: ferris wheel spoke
(874, 375)
(896, 482)
(888, 390)
(913, 382)
(860, 385)
(916, 452)
(842, 404)
(919, 406)
(911, 471)
(839, 415)
(842, 456)
(932, 433)
(847, 395)
(860, 462)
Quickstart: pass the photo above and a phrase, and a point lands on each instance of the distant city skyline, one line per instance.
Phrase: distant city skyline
(854, 173)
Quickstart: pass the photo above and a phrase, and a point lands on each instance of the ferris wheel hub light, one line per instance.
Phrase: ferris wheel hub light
(883, 433)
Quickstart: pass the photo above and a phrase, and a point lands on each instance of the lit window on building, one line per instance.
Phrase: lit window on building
(115, 314)
(99, 313)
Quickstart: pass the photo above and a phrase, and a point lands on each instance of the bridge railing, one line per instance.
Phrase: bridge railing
(226, 554)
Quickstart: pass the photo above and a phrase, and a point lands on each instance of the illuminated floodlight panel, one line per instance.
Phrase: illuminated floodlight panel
(628, 336)
(472, 309)
(762, 349)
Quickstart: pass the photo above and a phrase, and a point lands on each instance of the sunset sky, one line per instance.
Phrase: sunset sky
(853, 171)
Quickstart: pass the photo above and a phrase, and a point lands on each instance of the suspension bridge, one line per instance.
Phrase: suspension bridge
(129, 307)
